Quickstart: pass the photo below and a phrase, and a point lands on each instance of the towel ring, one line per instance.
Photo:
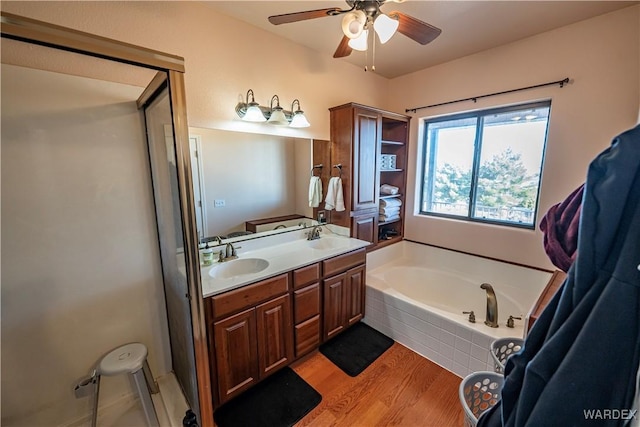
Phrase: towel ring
(320, 166)
(339, 167)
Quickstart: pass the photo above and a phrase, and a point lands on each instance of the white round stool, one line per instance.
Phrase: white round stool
(128, 359)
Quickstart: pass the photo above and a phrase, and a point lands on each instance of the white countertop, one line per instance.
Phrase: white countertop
(282, 257)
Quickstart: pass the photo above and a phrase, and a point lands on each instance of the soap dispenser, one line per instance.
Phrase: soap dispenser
(207, 255)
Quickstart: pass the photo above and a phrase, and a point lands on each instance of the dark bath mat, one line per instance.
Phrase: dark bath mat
(356, 348)
(278, 401)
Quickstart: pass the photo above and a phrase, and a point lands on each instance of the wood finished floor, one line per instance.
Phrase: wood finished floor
(401, 388)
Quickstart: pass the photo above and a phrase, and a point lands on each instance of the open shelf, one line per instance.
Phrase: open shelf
(389, 222)
(391, 170)
(390, 196)
(384, 142)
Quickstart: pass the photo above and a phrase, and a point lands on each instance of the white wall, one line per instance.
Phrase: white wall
(80, 261)
(256, 176)
(224, 58)
(600, 55)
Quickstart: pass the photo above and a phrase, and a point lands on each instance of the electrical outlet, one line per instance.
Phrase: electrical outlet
(219, 203)
(322, 218)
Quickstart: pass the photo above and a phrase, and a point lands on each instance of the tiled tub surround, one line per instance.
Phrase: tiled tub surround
(416, 294)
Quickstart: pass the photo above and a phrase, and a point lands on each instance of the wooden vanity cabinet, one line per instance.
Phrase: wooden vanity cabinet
(344, 293)
(257, 329)
(254, 343)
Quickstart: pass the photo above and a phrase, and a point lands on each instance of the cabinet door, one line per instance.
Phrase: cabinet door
(355, 288)
(334, 308)
(236, 353)
(366, 143)
(275, 335)
(364, 227)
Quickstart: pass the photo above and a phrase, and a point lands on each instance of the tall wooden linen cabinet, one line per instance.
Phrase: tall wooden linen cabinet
(360, 137)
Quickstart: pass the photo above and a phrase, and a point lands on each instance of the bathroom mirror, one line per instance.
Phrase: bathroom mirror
(242, 178)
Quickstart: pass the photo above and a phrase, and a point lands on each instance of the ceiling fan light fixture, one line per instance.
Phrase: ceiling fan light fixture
(360, 43)
(353, 24)
(385, 27)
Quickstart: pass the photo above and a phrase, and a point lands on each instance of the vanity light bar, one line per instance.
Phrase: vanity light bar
(249, 110)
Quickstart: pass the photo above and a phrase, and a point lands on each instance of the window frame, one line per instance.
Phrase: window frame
(427, 162)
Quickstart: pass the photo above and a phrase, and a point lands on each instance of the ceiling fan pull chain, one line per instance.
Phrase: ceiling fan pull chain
(366, 59)
(373, 54)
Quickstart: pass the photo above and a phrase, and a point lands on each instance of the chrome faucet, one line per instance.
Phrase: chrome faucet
(314, 234)
(491, 319)
(228, 253)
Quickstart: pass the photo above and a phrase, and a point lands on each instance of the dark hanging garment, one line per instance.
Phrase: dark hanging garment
(560, 227)
(579, 363)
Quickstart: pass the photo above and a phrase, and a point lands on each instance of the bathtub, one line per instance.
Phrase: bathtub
(416, 295)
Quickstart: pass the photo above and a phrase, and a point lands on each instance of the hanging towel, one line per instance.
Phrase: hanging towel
(335, 198)
(386, 203)
(315, 191)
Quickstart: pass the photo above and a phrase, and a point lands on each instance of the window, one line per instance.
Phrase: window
(486, 165)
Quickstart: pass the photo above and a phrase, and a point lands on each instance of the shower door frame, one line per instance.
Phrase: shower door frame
(50, 35)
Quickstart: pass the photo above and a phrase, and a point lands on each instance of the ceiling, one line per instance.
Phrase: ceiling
(467, 27)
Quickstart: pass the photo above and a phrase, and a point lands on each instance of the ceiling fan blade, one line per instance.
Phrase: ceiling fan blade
(301, 16)
(343, 48)
(415, 29)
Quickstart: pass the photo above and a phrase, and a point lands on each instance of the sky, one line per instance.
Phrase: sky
(524, 137)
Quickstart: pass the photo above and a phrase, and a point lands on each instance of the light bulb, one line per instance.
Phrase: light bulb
(353, 23)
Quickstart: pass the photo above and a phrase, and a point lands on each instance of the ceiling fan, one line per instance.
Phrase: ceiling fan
(360, 18)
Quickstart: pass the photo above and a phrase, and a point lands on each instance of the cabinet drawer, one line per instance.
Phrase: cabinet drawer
(306, 302)
(307, 336)
(343, 262)
(305, 275)
(249, 295)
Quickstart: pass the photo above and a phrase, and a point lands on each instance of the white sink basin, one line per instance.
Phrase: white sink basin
(238, 267)
(326, 243)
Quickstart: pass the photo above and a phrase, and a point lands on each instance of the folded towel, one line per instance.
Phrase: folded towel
(389, 210)
(385, 218)
(315, 191)
(385, 203)
(389, 189)
(335, 198)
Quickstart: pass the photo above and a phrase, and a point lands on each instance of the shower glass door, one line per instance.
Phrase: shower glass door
(162, 156)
